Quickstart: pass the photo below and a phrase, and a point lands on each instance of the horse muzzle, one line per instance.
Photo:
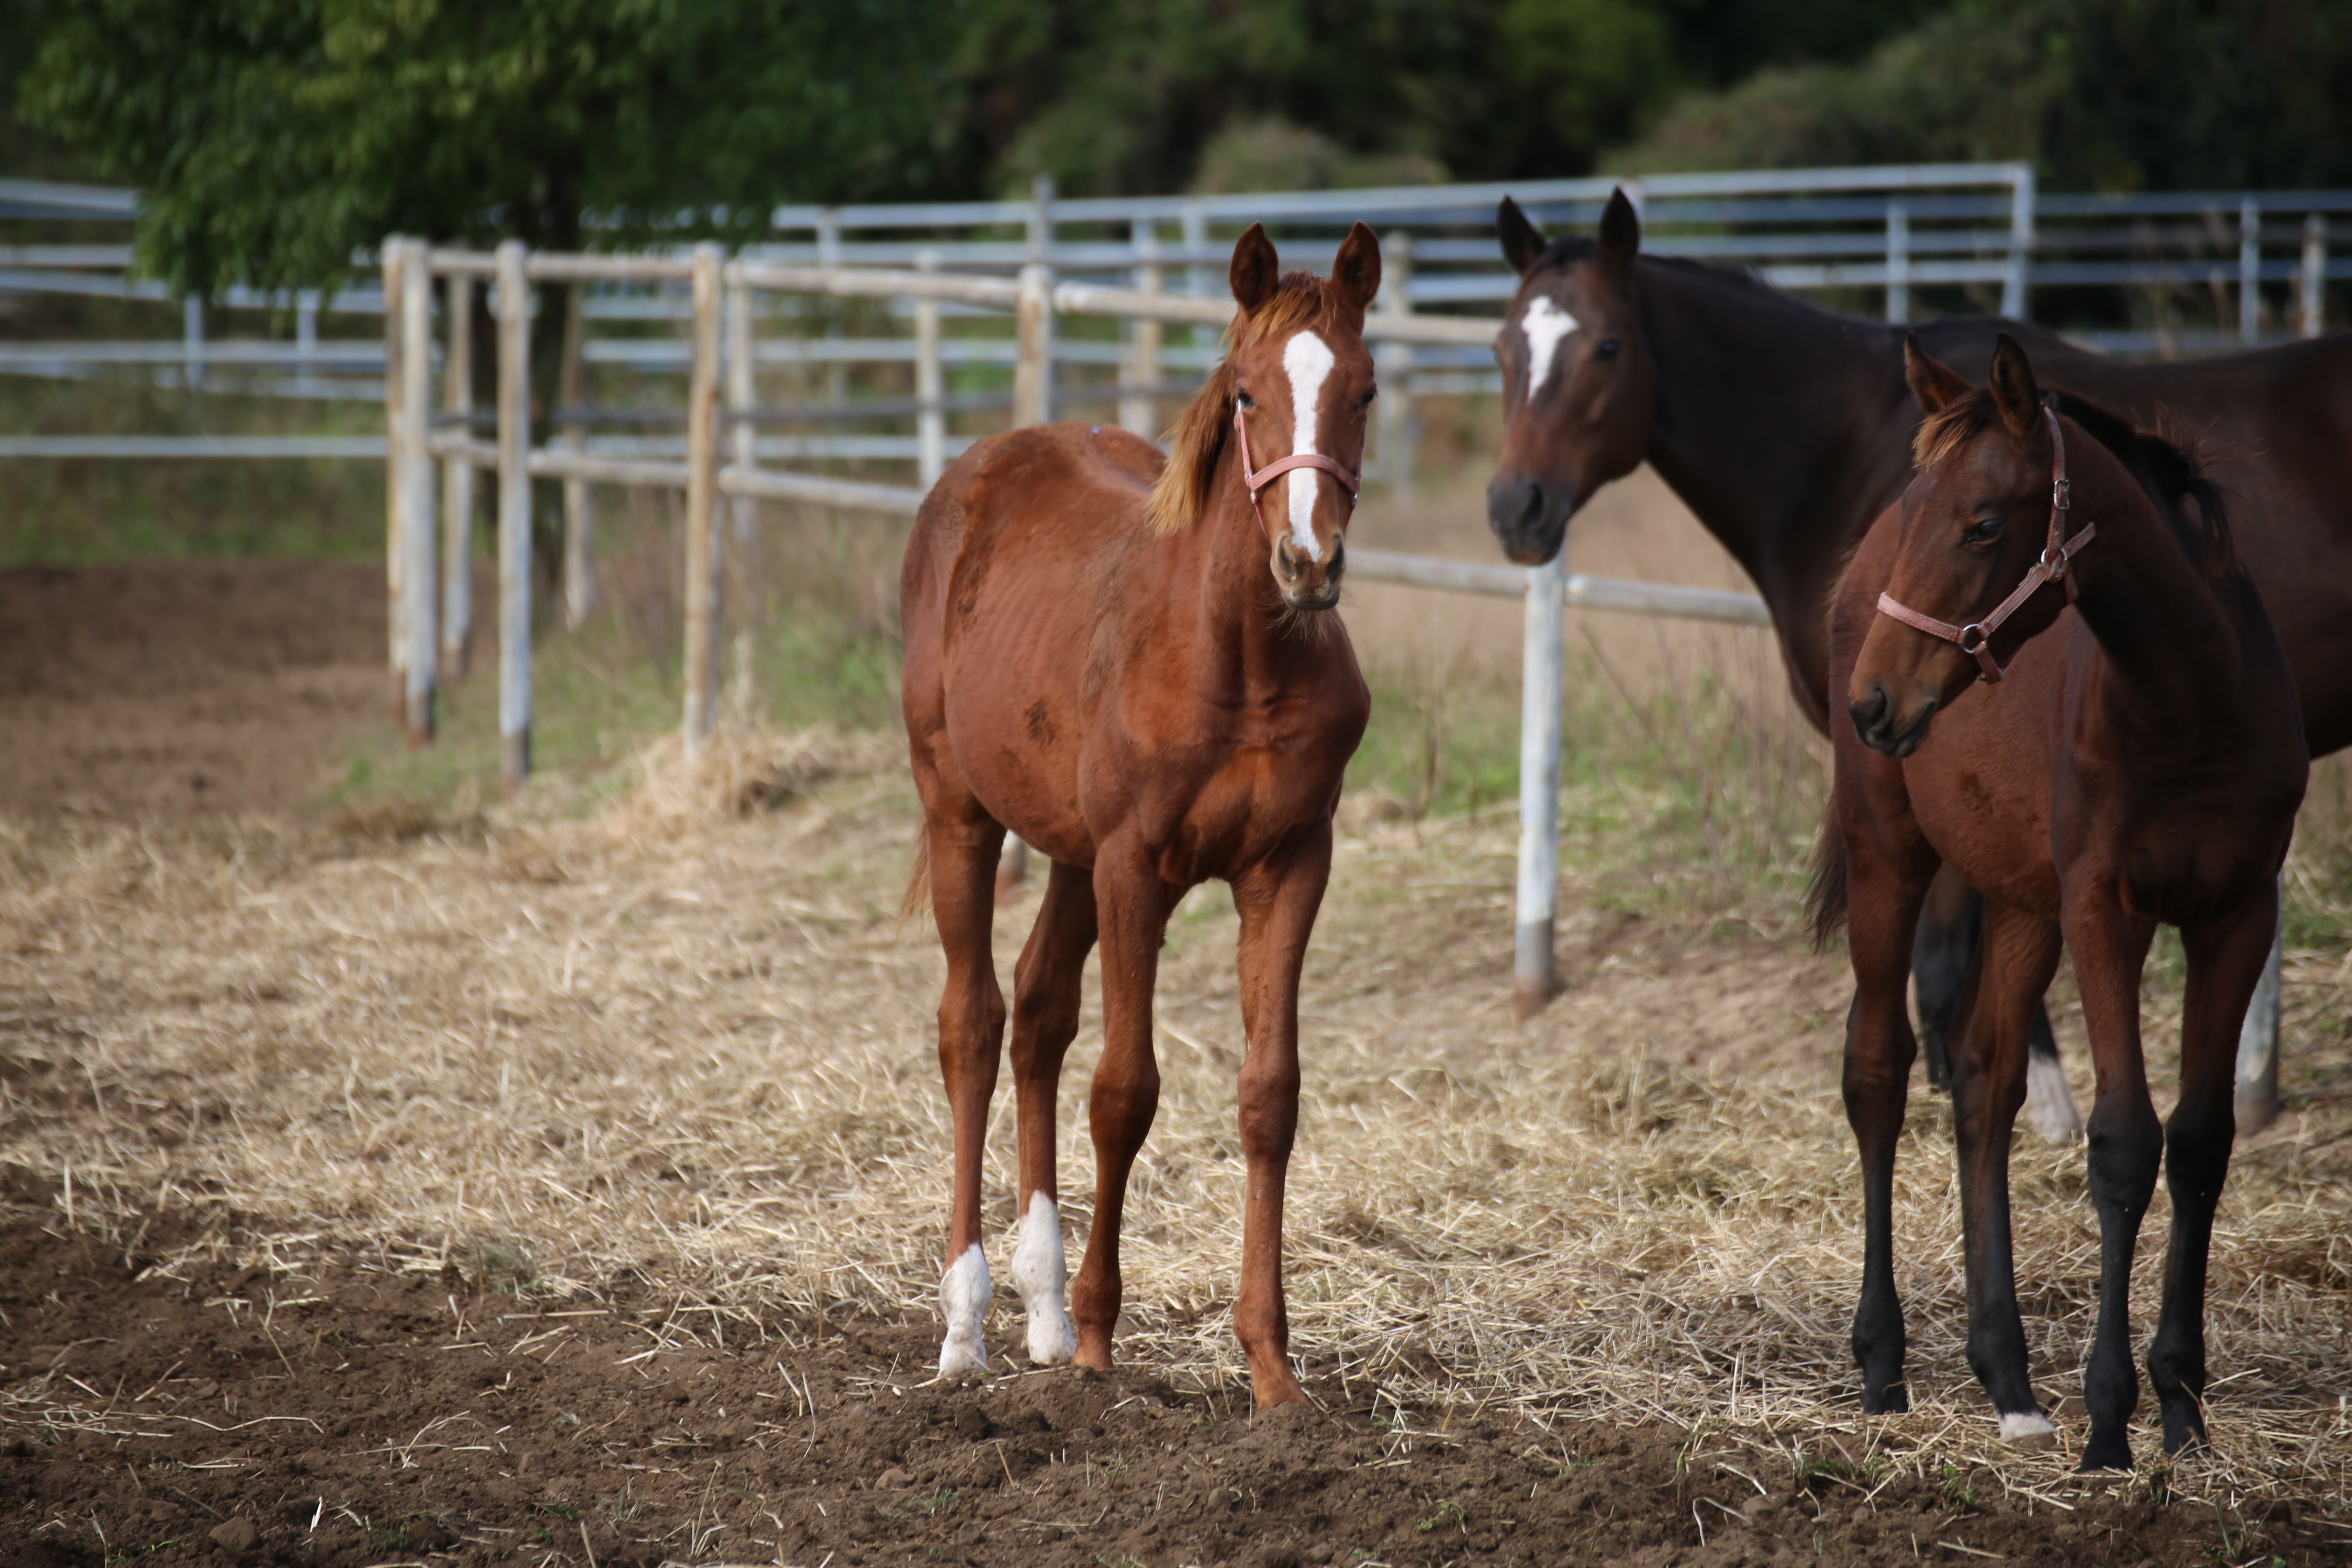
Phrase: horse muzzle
(1530, 520)
(1885, 729)
(1309, 585)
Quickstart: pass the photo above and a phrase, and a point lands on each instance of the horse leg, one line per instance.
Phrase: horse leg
(1277, 904)
(1879, 1051)
(1133, 904)
(1943, 958)
(1045, 989)
(2258, 1043)
(2226, 962)
(2050, 1105)
(2110, 948)
(2019, 955)
(963, 848)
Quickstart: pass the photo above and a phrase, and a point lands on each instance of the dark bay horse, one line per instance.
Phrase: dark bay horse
(1130, 662)
(1785, 429)
(2139, 761)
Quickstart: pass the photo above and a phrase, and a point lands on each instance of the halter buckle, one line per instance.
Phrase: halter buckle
(1974, 630)
(2062, 493)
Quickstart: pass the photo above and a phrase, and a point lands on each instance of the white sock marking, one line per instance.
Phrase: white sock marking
(964, 1295)
(1308, 360)
(2026, 1426)
(2050, 1103)
(1039, 1274)
(1545, 324)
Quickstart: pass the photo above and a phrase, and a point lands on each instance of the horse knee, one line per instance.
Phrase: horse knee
(1269, 1107)
(2126, 1147)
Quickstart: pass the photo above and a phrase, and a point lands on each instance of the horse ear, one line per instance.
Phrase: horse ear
(2013, 392)
(1357, 271)
(1523, 242)
(1933, 382)
(1256, 270)
(1620, 231)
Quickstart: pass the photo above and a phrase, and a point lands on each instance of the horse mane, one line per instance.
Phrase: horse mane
(2170, 470)
(1196, 441)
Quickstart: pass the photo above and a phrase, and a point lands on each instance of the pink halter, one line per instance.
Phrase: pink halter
(1262, 477)
(1976, 638)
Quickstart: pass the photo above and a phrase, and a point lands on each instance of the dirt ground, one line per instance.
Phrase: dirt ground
(510, 1188)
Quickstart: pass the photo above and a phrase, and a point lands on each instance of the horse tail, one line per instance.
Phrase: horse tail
(1825, 900)
(916, 905)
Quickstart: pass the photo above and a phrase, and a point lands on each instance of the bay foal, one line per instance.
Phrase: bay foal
(2139, 760)
(1132, 664)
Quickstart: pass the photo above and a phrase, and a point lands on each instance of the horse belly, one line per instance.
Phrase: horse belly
(1991, 824)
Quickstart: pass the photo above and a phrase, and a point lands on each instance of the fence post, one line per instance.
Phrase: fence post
(742, 394)
(306, 338)
(930, 383)
(191, 323)
(2015, 298)
(2314, 276)
(701, 502)
(572, 435)
(2258, 1039)
(393, 256)
(417, 525)
(458, 481)
(1540, 697)
(1033, 366)
(1898, 262)
(1138, 370)
(514, 518)
(2250, 271)
(1393, 362)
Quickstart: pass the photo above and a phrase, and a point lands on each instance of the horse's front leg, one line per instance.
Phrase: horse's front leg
(2226, 962)
(1132, 905)
(1988, 1068)
(2126, 1143)
(1277, 903)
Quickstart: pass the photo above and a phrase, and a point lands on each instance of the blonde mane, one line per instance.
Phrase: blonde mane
(1196, 441)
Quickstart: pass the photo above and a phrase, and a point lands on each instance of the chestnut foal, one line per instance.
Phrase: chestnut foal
(1131, 663)
(2136, 760)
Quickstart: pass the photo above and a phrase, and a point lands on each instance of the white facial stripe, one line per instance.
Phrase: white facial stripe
(1308, 360)
(1545, 323)
(963, 1301)
(1040, 1274)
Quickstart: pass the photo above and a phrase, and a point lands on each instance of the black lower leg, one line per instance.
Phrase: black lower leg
(2196, 1160)
(2126, 1145)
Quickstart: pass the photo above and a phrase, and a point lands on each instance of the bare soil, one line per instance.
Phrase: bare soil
(357, 1415)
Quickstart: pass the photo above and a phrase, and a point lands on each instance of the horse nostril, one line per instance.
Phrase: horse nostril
(1871, 711)
(1531, 513)
(1338, 558)
(1285, 558)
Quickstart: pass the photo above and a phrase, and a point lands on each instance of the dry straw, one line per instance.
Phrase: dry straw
(684, 1044)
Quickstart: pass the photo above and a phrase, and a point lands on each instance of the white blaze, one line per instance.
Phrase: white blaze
(1039, 1274)
(1545, 324)
(1308, 360)
(963, 1301)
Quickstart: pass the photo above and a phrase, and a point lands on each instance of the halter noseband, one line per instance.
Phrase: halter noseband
(1262, 477)
(1976, 638)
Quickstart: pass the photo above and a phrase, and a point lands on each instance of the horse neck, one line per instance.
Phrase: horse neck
(1242, 639)
(1786, 480)
(2170, 646)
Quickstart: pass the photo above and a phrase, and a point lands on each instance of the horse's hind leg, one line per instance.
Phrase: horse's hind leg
(1879, 1051)
(2225, 964)
(2019, 955)
(2110, 948)
(963, 843)
(1045, 994)
(1277, 904)
(1943, 962)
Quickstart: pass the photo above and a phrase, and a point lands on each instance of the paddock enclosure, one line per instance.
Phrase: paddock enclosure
(406, 1174)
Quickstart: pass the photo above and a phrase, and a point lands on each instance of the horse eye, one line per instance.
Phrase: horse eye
(1985, 532)
(1367, 401)
(1606, 349)
(1242, 396)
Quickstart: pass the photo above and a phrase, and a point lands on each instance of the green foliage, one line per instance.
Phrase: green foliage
(2100, 94)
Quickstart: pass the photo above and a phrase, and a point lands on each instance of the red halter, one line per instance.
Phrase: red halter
(1976, 638)
(1262, 477)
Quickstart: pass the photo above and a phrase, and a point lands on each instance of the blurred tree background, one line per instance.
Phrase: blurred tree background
(275, 136)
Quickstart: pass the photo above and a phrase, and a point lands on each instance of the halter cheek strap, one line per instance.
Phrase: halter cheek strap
(1259, 480)
(1975, 639)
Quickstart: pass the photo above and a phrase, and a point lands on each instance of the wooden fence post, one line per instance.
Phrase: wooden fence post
(2250, 273)
(1033, 366)
(742, 395)
(1393, 362)
(395, 259)
(1138, 371)
(701, 498)
(1533, 970)
(417, 526)
(458, 481)
(572, 435)
(2016, 296)
(1898, 262)
(2314, 276)
(930, 383)
(514, 518)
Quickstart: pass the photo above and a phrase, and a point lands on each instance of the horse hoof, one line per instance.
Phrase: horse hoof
(1052, 1340)
(2114, 1454)
(2050, 1106)
(1893, 1400)
(2027, 1429)
(962, 1353)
